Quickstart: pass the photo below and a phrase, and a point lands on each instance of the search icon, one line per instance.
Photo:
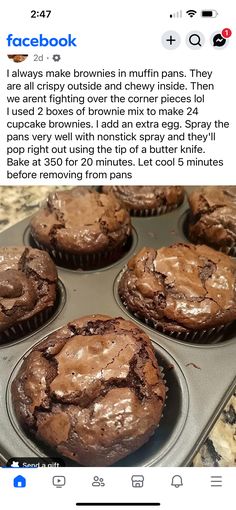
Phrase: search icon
(195, 40)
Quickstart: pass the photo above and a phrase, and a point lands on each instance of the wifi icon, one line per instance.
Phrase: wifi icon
(191, 13)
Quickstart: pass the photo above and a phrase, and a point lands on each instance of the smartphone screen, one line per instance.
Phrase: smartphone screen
(117, 255)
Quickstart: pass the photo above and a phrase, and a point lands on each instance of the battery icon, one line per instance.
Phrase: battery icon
(209, 14)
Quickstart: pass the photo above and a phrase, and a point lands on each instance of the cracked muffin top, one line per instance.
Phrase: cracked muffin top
(28, 280)
(81, 221)
(18, 57)
(213, 216)
(181, 287)
(92, 390)
(147, 197)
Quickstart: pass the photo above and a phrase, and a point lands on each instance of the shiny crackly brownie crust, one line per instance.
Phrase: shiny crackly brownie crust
(92, 390)
(18, 58)
(28, 280)
(81, 221)
(213, 216)
(147, 197)
(181, 288)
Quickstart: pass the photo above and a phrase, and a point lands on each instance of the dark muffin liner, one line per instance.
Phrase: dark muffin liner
(88, 261)
(155, 211)
(19, 330)
(166, 396)
(164, 380)
(26, 327)
(204, 336)
(209, 336)
(229, 250)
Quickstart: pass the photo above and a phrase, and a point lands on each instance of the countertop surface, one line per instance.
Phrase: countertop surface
(18, 202)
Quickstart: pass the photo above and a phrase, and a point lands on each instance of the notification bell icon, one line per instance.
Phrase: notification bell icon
(177, 481)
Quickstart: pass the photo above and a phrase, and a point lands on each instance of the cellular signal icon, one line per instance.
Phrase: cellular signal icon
(177, 14)
(191, 13)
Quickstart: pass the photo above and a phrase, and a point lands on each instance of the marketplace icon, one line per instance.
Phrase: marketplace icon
(137, 481)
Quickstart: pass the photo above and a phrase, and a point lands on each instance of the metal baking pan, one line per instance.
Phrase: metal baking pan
(200, 378)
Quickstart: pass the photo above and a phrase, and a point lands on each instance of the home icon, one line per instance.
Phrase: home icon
(19, 482)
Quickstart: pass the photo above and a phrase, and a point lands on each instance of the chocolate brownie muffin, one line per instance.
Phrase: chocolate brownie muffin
(92, 390)
(82, 228)
(213, 217)
(18, 58)
(28, 279)
(181, 288)
(147, 200)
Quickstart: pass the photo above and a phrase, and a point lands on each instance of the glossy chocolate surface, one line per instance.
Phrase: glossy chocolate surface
(92, 390)
(181, 287)
(81, 221)
(213, 218)
(147, 197)
(27, 284)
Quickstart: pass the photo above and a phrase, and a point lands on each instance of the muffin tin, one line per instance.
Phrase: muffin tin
(200, 377)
